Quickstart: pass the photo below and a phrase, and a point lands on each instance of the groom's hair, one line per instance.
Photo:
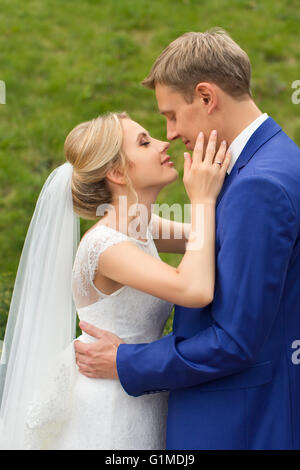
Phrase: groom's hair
(192, 58)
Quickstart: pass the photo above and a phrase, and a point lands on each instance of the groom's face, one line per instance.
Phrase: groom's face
(184, 120)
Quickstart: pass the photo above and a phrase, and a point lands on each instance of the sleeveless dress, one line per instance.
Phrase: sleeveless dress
(77, 412)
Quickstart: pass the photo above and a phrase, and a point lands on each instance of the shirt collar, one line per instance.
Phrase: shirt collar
(240, 141)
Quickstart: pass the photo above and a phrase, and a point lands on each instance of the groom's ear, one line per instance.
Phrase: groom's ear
(207, 93)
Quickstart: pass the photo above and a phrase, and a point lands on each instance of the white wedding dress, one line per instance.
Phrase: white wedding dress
(76, 412)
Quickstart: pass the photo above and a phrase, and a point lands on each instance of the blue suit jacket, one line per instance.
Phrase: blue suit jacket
(232, 368)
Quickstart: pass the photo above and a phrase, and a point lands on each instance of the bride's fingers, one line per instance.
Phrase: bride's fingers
(211, 147)
(221, 153)
(222, 169)
(226, 162)
(198, 149)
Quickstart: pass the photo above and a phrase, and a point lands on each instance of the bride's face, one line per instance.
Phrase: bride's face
(147, 156)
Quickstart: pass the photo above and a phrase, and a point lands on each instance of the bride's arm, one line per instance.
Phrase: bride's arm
(169, 236)
(190, 284)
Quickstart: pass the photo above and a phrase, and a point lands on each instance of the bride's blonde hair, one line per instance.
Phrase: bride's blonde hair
(93, 148)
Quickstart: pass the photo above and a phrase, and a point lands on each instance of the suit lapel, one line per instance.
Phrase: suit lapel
(264, 133)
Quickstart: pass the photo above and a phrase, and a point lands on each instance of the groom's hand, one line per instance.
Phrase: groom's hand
(98, 359)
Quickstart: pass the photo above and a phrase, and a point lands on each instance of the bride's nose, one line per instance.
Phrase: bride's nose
(165, 146)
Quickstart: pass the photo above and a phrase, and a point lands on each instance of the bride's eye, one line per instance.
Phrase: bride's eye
(145, 143)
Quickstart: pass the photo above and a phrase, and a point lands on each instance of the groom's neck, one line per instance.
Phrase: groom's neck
(238, 115)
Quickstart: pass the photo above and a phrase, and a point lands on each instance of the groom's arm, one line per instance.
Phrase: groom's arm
(256, 243)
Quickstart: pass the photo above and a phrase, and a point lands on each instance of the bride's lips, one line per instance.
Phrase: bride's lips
(167, 161)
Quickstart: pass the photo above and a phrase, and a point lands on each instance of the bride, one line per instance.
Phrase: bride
(113, 278)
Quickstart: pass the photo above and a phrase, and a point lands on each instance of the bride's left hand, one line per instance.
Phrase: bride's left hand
(97, 359)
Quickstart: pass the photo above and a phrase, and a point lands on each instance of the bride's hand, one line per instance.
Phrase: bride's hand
(203, 176)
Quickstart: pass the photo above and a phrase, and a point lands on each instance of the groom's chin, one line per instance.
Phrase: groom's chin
(189, 145)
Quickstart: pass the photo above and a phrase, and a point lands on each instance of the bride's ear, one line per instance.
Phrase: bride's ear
(115, 175)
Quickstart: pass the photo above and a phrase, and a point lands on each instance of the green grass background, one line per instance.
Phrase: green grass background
(64, 62)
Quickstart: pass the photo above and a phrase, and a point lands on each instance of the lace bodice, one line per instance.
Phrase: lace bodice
(72, 411)
(133, 315)
(86, 263)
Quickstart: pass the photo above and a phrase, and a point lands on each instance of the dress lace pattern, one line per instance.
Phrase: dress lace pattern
(71, 411)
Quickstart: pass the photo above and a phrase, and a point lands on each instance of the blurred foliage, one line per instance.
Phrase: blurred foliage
(67, 62)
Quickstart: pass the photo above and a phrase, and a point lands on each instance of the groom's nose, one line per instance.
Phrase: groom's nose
(172, 134)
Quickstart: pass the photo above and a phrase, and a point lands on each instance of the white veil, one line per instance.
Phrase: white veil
(42, 315)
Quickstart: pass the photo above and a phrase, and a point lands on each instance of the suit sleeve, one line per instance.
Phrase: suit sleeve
(257, 231)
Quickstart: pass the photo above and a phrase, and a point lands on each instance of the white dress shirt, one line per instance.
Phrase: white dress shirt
(240, 141)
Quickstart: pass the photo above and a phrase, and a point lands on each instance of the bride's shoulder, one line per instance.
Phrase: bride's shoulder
(102, 231)
(91, 229)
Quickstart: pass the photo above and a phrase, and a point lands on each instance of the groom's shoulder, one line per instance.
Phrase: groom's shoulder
(276, 162)
(272, 174)
(258, 194)
(279, 142)
(256, 181)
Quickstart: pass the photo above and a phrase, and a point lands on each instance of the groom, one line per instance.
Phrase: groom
(233, 379)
